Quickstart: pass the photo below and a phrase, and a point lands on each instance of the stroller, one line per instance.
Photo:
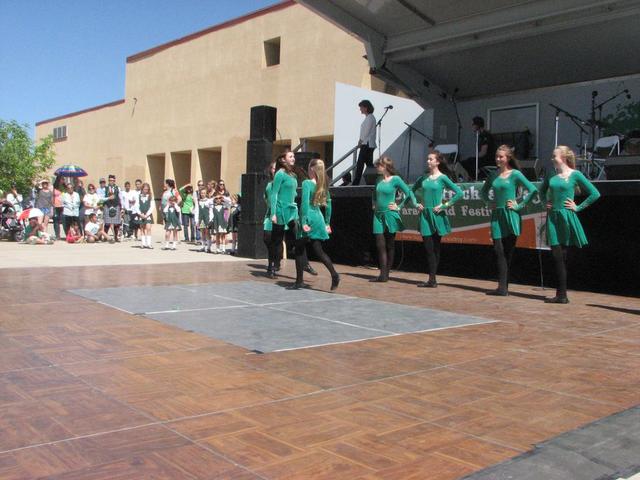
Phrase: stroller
(10, 227)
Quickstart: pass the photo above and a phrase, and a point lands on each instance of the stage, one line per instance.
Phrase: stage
(608, 264)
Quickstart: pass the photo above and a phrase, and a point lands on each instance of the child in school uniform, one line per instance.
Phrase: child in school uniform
(220, 205)
(234, 220)
(171, 223)
(204, 213)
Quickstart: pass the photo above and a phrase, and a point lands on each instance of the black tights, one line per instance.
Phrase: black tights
(278, 233)
(432, 246)
(504, 251)
(559, 253)
(267, 238)
(302, 261)
(386, 247)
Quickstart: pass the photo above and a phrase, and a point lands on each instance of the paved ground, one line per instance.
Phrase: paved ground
(89, 391)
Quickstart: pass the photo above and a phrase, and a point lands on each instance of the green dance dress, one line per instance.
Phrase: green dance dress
(311, 214)
(432, 189)
(283, 198)
(385, 220)
(563, 225)
(506, 221)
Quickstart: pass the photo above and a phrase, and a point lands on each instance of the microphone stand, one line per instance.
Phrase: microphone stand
(599, 107)
(411, 129)
(379, 127)
(477, 152)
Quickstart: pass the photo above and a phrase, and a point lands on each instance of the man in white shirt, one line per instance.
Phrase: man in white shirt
(367, 140)
(128, 200)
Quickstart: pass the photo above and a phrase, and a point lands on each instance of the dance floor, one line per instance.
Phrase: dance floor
(154, 372)
(265, 318)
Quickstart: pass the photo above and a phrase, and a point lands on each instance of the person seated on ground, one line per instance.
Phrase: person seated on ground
(34, 233)
(73, 233)
(93, 231)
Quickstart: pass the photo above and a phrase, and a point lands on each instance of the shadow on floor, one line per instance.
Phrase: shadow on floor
(615, 309)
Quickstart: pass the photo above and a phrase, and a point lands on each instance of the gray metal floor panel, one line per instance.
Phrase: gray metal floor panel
(266, 317)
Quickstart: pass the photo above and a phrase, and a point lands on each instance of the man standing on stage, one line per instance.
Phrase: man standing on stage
(486, 149)
(367, 140)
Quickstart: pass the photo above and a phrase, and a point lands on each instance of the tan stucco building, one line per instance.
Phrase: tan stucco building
(185, 113)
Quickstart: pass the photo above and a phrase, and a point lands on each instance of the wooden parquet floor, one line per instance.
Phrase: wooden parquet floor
(90, 392)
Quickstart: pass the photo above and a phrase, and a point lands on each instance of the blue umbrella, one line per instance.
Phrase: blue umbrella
(70, 170)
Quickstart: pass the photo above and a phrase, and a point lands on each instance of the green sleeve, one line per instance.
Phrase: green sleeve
(305, 202)
(327, 209)
(457, 191)
(275, 186)
(408, 193)
(530, 187)
(182, 190)
(486, 186)
(587, 187)
(417, 185)
(544, 188)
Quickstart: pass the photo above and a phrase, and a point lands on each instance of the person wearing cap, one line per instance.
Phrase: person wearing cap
(44, 201)
(112, 207)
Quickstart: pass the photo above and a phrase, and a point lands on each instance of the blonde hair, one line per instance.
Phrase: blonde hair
(510, 152)
(320, 195)
(387, 163)
(567, 155)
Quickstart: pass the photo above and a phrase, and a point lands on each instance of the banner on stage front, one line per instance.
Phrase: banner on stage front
(470, 221)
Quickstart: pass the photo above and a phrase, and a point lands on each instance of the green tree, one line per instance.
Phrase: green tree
(626, 118)
(22, 160)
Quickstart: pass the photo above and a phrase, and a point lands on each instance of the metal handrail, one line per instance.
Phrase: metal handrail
(352, 153)
(301, 146)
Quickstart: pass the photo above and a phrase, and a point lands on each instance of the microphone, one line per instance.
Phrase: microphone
(390, 107)
(628, 94)
(594, 94)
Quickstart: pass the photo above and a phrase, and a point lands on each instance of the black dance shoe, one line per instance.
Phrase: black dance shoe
(271, 274)
(380, 279)
(335, 281)
(498, 293)
(277, 269)
(297, 286)
(309, 269)
(556, 299)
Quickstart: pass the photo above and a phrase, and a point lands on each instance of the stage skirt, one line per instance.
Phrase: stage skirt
(434, 223)
(564, 228)
(387, 221)
(285, 214)
(504, 222)
(315, 219)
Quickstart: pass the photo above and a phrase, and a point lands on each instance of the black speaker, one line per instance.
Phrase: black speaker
(370, 175)
(263, 123)
(623, 168)
(304, 158)
(259, 153)
(253, 206)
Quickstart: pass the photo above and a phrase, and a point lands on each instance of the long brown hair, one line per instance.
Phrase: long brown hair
(510, 152)
(387, 163)
(320, 196)
(443, 165)
(281, 163)
(567, 155)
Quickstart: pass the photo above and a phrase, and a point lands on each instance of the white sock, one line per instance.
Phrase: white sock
(144, 240)
(148, 240)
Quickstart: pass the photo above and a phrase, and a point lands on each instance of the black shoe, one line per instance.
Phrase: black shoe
(296, 286)
(335, 281)
(556, 299)
(277, 269)
(380, 279)
(429, 284)
(309, 269)
(498, 293)
(271, 274)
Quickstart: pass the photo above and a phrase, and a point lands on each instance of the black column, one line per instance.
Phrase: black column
(259, 153)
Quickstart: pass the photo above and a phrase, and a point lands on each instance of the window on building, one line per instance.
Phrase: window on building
(272, 52)
(60, 133)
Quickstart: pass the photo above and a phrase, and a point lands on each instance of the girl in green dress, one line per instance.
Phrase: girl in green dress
(283, 207)
(267, 225)
(314, 226)
(434, 223)
(563, 226)
(505, 216)
(144, 212)
(171, 223)
(386, 216)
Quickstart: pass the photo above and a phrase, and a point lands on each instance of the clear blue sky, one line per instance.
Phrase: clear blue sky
(60, 56)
